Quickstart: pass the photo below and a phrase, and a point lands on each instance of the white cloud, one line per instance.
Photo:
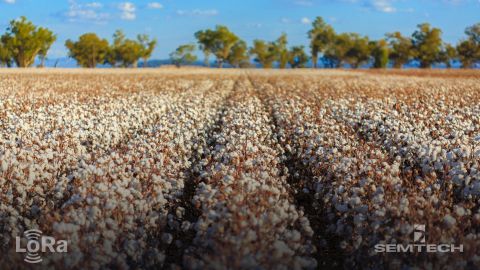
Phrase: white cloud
(127, 11)
(155, 5)
(198, 12)
(285, 20)
(85, 12)
(305, 20)
(383, 6)
(10, 1)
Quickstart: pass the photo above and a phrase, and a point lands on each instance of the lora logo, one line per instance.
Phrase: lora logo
(419, 244)
(37, 242)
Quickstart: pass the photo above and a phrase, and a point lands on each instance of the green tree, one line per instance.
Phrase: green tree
(183, 55)
(473, 33)
(447, 54)
(25, 41)
(427, 44)
(48, 39)
(130, 52)
(125, 52)
(359, 51)
(113, 56)
(281, 50)
(322, 36)
(349, 48)
(335, 55)
(468, 52)
(223, 42)
(380, 52)
(297, 58)
(264, 53)
(89, 50)
(238, 56)
(5, 56)
(147, 47)
(206, 41)
(400, 49)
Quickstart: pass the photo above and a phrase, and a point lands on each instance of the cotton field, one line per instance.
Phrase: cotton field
(204, 169)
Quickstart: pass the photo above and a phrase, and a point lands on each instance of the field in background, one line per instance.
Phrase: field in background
(209, 169)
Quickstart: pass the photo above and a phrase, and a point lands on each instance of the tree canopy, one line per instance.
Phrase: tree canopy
(223, 43)
(468, 50)
(206, 40)
(5, 56)
(238, 56)
(148, 45)
(25, 41)
(125, 52)
(427, 44)
(297, 58)
(263, 53)
(322, 37)
(281, 50)
(183, 55)
(380, 53)
(89, 50)
(400, 49)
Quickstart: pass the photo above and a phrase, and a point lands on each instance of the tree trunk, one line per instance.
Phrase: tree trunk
(20, 60)
(42, 63)
(315, 60)
(466, 64)
(425, 65)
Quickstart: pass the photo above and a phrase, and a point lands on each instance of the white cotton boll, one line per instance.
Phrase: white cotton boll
(449, 221)
(31, 175)
(102, 187)
(296, 236)
(4, 164)
(228, 179)
(179, 212)
(355, 201)
(460, 211)
(64, 228)
(281, 249)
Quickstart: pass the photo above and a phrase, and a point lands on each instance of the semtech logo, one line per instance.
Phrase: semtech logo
(36, 243)
(419, 244)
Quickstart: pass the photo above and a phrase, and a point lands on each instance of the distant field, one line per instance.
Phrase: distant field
(240, 169)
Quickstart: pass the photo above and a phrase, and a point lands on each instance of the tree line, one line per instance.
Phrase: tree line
(23, 42)
(90, 50)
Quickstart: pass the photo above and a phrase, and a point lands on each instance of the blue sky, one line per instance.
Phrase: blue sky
(173, 22)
